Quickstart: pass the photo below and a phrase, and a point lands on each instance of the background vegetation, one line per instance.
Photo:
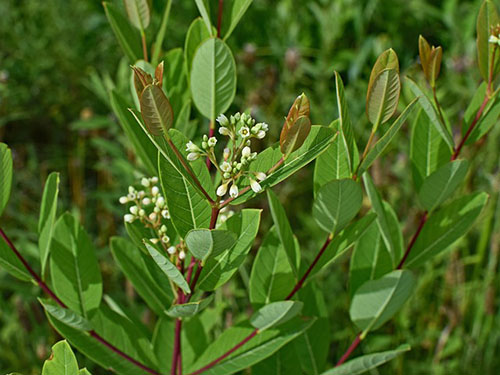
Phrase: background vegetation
(58, 58)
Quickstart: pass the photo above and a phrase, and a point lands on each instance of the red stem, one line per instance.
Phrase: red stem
(219, 17)
(351, 348)
(52, 295)
(423, 220)
(227, 354)
(176, 355)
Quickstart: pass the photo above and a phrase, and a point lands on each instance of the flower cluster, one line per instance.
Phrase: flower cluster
(237, 156)
(495, 35)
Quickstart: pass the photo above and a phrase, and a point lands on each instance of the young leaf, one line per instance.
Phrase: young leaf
(127, 36)
(66, 316)
(11, 263)
(168, 268)
(138, 13)
(383, 97)
(205, 243)
(74, 269)
(442, 183)
(275, 313)
(47, 217)
(141, 78)
(156, 110)
(386, 60)
(219, 269)
(61, 362)
(5, 175)
(233, 11)
(446, 226)
(431, 113)
(296, 135)
(204, 9)
(430, 58)
(187, 310)
(284, 230)
(336, 204)
(376, 301)
(367, 362)
(213, 78)
(486, 20)
(196, 34)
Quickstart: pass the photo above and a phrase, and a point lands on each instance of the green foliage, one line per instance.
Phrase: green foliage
(5, 175)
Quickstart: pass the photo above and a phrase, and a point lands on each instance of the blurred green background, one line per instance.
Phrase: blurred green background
(58, 58)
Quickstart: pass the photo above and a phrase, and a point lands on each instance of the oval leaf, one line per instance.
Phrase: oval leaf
(138, 13)
(156, 110)
(5, 175)
(275, 313)
(295, 136)
(203, 243)
(387, 60)
(61, 362)
(383, 97)
(187, 310)
(47, 217)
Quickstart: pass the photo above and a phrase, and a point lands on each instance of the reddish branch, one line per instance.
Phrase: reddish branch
(219, 18)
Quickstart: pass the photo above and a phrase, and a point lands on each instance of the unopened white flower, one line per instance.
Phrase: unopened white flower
(264, 126)
(134, 210)
(146, 201)
(233, 192)
(192, 156)
(129, 218)
(226, 153)
(154, 240)
(154, 180)
(191, 147)
(226, 167)
(157, 209)
(163, 229)
(222, 120)
(165, 214)
(261, 134)
(123, 200)
(246, 151)
(244, 132)
(261, 176)
(152, 216)
(141, 194)
(131, 189)
(160, 202)
(155, 190)
(182, 254)
(255, 186)
(493, 39)
(224, 131)
(222, 189)
(171, 250)
(212, 141)
(142, 212)
(145, 182)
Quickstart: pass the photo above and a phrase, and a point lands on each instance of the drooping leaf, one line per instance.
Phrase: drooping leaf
(61, 362)
(168, 268)
(275, 313)
(383, 97)
(220, 269)
(213, 78)
(445, 226)
(47, 217)
(156, 110)
(437, 187)
(376, 301)
(486, 20)
(204, 243)
(66, 316)
(336, 204)
(431, 113)
(233, 12)
(204, 9)
(138, 13)
(73, 267)
(187, 310)
(283, 229)
(196, 34)
(367, 362)
(5, 175)
(128, 37)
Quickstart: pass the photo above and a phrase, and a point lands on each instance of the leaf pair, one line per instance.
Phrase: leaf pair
(296, 127)
(430, 58)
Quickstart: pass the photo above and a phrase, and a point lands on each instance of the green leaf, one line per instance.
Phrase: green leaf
(284, 362)
(387, 60)
(431, 113)
(342, 242)
(445, 226)
(175, 81)
(138, 13)
(384, 141)
(367, 362)
(66, 316)
(219, 269)
(428, 150)
(154, 288)
(196, 34)
(11, 263)
(336, 204)
(275, 313)
(168, 268)
(489, 117)
(128, 37)
(438, 187)
(284, 230)
(346, 128)
(233, 12)
(143, 146)
(204, 243)
(386, 220)
(47, 217)
(160, 35)
(383, 97)
(73, 265)
(213, 78)
(204, 9)
(295, 135)
(272, 277)
(370, 259)
(187, 310)
(5, 175)
(61, 362)
(84, 371)
(333, 164)
(316, 143)
(376, 301)
(486, 19)
(156, 110)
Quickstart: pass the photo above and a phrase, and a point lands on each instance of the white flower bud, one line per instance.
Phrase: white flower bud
(246, 152)
(155, 190)
(261, 176)
(129, 218)
(123, 200)
(244, 132)
(233, 192)
(224, 131)
(261, 134)
(212, 141)
(141, 194)
(131, 190)
(226, 175)
(160, 202)
(192, 156)
(171, 250)
(145, 182)
(134, 210)
(153, 240)
(146, 201)
(255, 186)
(222, 120)
(157, 209)
(154, 180)
(226, 153)
(182, 254)
(152, 216)
(264, 126)
(191, 147)
(163, 229)
(204, 145)
(142, 212)
(222, 189)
